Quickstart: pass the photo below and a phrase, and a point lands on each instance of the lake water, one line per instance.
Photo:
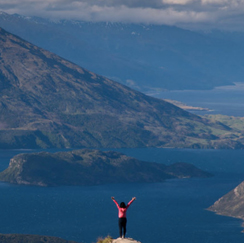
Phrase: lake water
(226, 100)
(173, 211)
(169, 212)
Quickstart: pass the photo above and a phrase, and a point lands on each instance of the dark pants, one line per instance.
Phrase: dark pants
(122, 225)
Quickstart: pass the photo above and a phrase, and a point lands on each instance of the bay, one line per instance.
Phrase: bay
(225, 100)
(173, 211)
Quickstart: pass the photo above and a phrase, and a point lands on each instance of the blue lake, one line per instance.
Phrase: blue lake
(169, 212)
(226, 100)
(173, 211)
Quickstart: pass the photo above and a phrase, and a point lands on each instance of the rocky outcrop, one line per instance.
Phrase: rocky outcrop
(90, 167)
(231, 204)
(125, 240)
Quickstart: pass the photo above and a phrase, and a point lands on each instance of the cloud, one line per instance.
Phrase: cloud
(223, 14)
(180, 2)
(219, 2)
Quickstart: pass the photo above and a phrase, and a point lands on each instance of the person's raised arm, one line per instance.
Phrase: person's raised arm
(131, 201)
(115, 202)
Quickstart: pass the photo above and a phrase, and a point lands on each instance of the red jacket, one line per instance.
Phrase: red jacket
(122, 211)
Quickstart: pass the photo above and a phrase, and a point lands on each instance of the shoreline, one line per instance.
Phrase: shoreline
(185, 106)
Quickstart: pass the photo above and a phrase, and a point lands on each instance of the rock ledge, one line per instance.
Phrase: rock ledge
(125, 240)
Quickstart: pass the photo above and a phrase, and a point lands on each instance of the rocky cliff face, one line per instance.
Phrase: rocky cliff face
(46, 101)
(231, 204)
(90, 167)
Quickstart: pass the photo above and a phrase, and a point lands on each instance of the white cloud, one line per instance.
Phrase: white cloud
(187, 13)
(180, 2)
(222, 2)
(214, 1)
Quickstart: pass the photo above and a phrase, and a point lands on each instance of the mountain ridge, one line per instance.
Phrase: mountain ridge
(142, 56)
(47, 101)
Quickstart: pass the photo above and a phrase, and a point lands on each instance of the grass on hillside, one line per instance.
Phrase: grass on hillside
(236, 123)
(108, 239)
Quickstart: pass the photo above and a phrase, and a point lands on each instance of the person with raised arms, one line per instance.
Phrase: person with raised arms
(122, 208)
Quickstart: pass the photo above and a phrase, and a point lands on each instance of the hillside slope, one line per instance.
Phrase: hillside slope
(143, 56)
(47, 101)
(231, 204)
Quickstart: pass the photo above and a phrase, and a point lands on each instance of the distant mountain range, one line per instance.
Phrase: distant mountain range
(47, 101)
(141, 56)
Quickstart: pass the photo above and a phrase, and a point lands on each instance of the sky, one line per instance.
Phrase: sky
(192, 14)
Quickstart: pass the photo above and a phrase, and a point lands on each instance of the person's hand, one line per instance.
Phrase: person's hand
(112, 198)
(134, 198)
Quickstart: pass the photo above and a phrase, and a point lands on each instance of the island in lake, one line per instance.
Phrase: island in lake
(90, 167)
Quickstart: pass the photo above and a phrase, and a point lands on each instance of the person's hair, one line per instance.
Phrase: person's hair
(122, 205)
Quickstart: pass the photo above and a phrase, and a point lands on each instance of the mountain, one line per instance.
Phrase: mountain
(90, 167)
(141, 56)
(47, 101)
(231, 204)
(18, 238)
